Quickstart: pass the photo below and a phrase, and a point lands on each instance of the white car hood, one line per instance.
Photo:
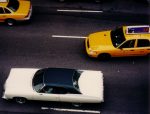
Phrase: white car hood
(91, 84)
(20, 80)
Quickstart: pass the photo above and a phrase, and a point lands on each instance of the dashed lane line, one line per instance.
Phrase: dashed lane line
(71, 110)
(62, 36)
(80, 11)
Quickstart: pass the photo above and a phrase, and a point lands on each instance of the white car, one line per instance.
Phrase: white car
(54, 84)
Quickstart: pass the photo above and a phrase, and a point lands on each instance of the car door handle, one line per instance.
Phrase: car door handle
(40, 94)
(148, 49)
(131, 50)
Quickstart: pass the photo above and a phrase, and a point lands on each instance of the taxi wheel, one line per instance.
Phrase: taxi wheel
(98, 1)
(104, 56)
(20, 100)
(10, 22)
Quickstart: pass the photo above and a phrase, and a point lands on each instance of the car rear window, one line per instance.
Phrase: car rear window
(38, 77)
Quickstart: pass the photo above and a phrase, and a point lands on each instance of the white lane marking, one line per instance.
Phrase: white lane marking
(61, 36)
(44, 108)
(83, 11)
(71, 110)
(75, 110)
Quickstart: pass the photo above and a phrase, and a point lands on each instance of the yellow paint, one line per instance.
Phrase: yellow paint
(22, 13)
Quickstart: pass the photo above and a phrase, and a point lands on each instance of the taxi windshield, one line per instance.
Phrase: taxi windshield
(117, 37)
(13, 5)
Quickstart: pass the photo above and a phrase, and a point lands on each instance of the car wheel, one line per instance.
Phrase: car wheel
(76, 104)
(10, 22)
(20, 100)
(61, 0)
(98, 1)
(148, 55)
(104, 56)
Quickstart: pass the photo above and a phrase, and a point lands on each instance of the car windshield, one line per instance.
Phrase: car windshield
(75, 80)
(117, 37)
(13, 5)
(38, 80)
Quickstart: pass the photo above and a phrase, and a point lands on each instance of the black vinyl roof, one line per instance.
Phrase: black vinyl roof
(58, 77)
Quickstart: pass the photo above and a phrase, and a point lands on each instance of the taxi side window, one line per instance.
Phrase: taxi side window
(143, 43)
(1, 10)
(128, 44)
(6, 10)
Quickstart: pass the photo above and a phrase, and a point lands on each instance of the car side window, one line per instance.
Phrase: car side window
(73, 91)
(128, 44)
(54, 90)
(6, 11)
(1, 10)
(47, 89)
(143, 43)
(59, 90)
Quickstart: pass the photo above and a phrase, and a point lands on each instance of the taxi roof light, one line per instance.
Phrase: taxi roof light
(144, 29)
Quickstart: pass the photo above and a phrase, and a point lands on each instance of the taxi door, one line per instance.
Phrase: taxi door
(127, 48)
(7, 13)
(142, 47)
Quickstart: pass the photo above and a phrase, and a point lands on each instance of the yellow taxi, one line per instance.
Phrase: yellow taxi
(120, 42)
(15, 10)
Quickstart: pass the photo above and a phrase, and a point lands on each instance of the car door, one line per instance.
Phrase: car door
(68, 95)
(126, 48)
(46, 94)
(143, 47)
(2, 16)
(7, 13)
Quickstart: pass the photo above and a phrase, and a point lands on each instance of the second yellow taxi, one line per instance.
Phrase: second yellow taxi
(123, 41)
(15, 10)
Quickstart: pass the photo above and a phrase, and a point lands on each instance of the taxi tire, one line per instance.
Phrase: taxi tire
(104, 56)
(10, 22)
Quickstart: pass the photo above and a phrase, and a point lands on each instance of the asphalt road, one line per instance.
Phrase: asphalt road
(31, 45)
